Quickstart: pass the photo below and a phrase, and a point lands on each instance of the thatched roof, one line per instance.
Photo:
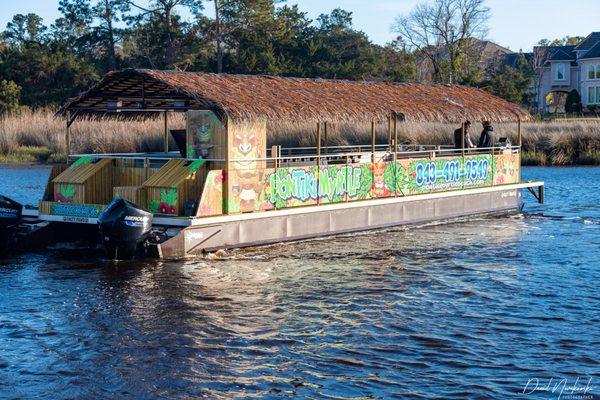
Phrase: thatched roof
(290, 99)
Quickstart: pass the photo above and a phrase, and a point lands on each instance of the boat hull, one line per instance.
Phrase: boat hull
(234, 231)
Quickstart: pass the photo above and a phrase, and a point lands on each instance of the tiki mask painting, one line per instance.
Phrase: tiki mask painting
(247, 147)
(379, 189)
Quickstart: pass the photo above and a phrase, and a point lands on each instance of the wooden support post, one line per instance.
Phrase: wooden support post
(389, 120)
(372, 142)
(68, 136)
(326, 137)
(166, 134)
(462, 138)
(275, 156)
(146, 168)
(519, 133)
(395, 138)
(318, 143)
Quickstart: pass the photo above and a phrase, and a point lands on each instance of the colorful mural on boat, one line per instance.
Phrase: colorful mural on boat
(76, 210)
(247, 144)
(64, 193)
(211, 202)
(507, 169)
(167, 204)
(202, 134)
(304, 186)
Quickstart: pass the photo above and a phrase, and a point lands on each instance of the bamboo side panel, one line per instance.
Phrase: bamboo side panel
(173, 185)
(85, 182)
(194, 185)
(172, 173)
(129, 172)
(82, 170)
(54, 173)
(134, 194)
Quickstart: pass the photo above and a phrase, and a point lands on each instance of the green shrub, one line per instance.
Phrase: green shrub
(10, 94)
(573, 102)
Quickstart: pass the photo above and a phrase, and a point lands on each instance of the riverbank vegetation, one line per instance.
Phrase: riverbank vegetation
(43, 63)
(40, 137)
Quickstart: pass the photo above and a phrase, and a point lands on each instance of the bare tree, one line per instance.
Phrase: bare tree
(538, 63)
(441, 31)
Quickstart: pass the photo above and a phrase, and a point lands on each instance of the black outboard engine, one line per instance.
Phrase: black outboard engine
(124, 228)
(10, 217)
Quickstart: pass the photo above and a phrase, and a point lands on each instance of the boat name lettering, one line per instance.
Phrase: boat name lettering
(77, 220)
(303, 185)
(75, 210)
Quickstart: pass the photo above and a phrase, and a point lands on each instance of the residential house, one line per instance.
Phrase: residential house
(560, 69)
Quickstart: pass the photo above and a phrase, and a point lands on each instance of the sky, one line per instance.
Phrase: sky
(516, 24)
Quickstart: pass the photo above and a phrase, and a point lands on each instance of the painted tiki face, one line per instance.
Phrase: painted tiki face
(245, 146)
(379, 189)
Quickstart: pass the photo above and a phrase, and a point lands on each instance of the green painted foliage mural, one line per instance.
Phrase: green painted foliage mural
(167, 203)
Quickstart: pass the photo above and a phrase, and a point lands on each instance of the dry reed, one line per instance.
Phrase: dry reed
(42, 129)
(552, 143)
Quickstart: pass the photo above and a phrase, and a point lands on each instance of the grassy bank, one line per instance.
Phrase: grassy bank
(39, 137)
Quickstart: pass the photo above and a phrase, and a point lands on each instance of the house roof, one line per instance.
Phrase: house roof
(562, 53)
(546, 54)
(594, 52)
(145, 91)
(512, 59)
(590, 41)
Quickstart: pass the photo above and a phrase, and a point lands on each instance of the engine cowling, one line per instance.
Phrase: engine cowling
(123, 228)
(10, 217)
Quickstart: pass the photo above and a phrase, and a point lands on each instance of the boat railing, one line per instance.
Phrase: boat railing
(438, 151)
(359, 154)
(290, 151)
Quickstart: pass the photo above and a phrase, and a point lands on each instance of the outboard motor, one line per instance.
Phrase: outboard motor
(124, 228)
(10, 217)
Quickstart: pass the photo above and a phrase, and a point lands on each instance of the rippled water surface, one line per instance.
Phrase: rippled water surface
(473, 309)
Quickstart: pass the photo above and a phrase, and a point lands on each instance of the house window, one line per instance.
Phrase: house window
(560, 72)
(594, 95)
(598, 71)
(591, 72)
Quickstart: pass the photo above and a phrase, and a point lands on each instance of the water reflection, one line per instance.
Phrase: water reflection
(465, 310)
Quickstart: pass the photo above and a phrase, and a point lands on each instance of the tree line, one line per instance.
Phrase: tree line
(43, 64)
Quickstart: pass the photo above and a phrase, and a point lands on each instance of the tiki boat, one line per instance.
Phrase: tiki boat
(229, 184)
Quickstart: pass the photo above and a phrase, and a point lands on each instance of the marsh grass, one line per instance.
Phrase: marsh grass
(41, 129)
(39, 136)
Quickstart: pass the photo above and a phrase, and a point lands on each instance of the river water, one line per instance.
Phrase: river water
(485, 308)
